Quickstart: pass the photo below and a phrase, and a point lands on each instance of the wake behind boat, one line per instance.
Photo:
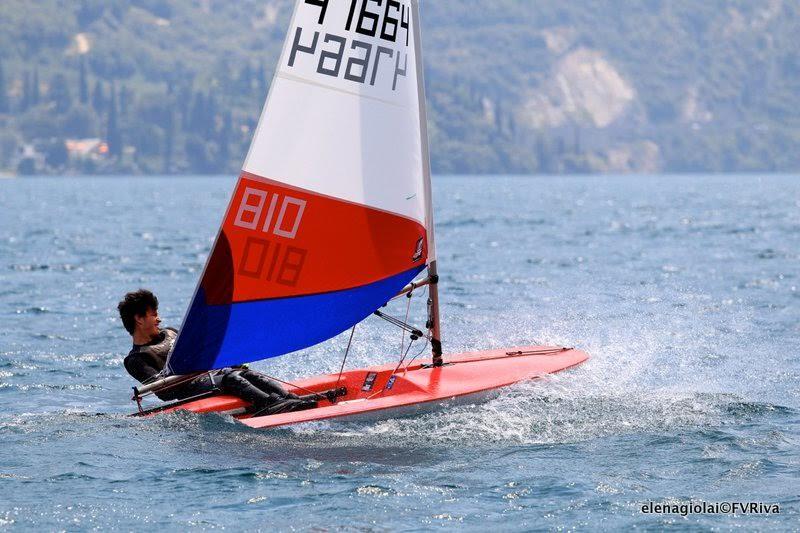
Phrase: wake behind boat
(330, 219)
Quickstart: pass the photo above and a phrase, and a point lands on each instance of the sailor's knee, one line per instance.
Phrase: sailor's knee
(231, 378)
(245, 373)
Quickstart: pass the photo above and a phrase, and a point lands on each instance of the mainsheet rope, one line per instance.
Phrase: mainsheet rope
(346, 352)
(405, 321)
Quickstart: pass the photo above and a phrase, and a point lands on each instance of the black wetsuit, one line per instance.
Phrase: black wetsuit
(145, 361)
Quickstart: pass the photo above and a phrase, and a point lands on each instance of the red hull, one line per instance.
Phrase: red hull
(464, 376)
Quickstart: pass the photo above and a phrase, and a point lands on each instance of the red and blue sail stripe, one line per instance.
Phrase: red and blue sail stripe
(290, 269)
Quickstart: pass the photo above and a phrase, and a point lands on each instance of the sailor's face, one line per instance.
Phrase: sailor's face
(148, 324)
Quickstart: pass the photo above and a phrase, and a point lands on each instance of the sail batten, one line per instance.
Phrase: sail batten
(330, 216)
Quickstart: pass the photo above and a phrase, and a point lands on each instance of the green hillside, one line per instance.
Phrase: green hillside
(514, 85)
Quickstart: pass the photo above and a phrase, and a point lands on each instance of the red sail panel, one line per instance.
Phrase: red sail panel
(279, 241)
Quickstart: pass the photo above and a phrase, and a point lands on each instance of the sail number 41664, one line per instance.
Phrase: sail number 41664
(358, 60)
(374, 18)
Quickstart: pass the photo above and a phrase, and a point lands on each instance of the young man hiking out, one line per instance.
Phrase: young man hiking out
(152, 345)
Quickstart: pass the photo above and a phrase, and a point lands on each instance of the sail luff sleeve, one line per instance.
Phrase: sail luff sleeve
(423, 128)
(434, 318)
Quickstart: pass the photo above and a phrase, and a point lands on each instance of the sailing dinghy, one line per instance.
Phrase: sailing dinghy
(330, 219)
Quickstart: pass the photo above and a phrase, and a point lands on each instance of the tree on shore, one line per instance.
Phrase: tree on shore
(224, 141)
(261, 80)
(25, 102)
(169, 141)
(35, 94)
(83, 83)
(125, 97)
(59, 93)
(197, 115)
(4, 107)
(98, 97)
(113, 136)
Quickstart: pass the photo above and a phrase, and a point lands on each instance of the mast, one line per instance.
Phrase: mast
(434, 323)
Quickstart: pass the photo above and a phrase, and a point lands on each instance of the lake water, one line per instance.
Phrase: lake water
(684, 290)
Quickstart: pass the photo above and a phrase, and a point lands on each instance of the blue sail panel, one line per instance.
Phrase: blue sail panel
(217, 336)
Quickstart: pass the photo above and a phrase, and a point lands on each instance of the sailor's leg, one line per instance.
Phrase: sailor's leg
(271, 386)
(236, 384)
(266, 384)
(196, 387)
(249, 386)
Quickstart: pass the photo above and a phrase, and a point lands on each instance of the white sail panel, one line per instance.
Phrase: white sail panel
(342, 117)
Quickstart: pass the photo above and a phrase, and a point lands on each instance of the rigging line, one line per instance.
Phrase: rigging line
(346, 352)
(155, 377)
(427, 337)
(393, 371)
(427, 341)
(399, 323)
(315, 393)
(405, 321)
(507, 355)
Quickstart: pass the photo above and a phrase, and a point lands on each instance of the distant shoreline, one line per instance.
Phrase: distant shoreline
(667, 175)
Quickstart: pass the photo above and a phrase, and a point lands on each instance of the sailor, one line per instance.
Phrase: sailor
(152, 344)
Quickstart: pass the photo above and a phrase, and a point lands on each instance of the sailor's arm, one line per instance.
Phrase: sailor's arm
(140, 368)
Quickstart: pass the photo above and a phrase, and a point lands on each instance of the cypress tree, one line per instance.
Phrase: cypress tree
(224, 141)
(124, 101)
(246, 80)
(113, 136)
(35, 95)
(169, 141)
(98, 98)
(262, 80)
(197, 116)
(4, 108)
(543, 154)
(83, 83)
(210, 116)
(184, 103)
(561, 147)
(26, 92)
(59, 93)
(225, 79)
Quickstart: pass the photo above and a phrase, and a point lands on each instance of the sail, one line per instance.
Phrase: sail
(328, 218)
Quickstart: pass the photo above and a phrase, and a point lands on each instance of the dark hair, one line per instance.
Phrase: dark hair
(136, 304)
